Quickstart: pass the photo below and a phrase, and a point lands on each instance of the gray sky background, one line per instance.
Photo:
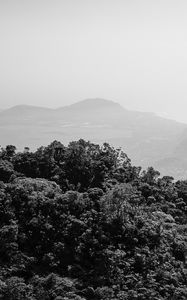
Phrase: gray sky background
(58, 52)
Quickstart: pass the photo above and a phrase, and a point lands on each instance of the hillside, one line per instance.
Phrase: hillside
(176, 162)
(146, 137)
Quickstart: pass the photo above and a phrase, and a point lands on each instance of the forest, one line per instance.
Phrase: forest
(81, 222)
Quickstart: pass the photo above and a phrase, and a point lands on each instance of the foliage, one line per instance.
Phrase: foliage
(80, 222)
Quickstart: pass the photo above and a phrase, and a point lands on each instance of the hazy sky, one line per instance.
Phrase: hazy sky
(61, 51)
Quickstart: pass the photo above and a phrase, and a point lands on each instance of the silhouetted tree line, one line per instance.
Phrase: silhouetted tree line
(80, 222)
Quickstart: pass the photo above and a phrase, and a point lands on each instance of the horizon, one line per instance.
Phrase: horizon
(159, 114)
(55, 53)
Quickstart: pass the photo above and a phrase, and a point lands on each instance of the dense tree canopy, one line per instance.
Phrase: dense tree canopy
(80, 222)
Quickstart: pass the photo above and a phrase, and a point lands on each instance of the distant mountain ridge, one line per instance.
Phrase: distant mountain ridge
(93, 103)
(23, 109)
(147, 138)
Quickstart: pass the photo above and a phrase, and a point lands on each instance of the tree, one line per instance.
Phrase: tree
(150, 175)
(6, 170)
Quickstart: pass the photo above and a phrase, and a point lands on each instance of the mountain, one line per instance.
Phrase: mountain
(147, 138)
(93, 103)
(23, 113)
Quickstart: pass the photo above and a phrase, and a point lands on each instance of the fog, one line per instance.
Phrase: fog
(134, 52)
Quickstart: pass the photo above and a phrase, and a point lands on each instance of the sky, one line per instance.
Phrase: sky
(55, 53)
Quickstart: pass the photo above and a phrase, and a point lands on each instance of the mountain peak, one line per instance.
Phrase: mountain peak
(94, 103)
